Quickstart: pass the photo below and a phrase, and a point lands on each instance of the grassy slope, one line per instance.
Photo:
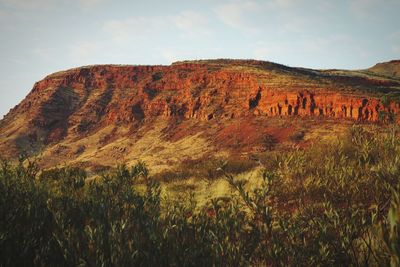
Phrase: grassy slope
(388, 69)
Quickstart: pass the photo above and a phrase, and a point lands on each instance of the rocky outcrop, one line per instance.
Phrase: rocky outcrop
(306, 103)
(82, 99)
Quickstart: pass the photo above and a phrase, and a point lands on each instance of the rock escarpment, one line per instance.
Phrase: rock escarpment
(80, 100)
(306, 103)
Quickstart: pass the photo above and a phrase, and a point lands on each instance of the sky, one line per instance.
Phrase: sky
(39, 37)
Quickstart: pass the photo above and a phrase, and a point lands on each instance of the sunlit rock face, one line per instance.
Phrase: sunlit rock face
(75, 101)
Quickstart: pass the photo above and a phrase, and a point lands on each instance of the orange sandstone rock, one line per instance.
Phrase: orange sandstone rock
(82, 99)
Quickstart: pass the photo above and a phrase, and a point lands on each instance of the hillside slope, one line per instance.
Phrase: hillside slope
(104, 114)
(389, 69)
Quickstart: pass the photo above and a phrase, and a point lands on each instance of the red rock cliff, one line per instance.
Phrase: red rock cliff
(82, 99)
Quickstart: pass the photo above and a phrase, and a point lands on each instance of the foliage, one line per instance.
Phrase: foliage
(269, 142)
(297, 136)
(387, 115)
(330, 205)
(385, 100)
(205, 169)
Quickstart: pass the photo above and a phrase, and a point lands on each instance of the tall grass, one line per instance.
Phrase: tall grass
(330, 205)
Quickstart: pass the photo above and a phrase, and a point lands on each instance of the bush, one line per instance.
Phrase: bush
(331, 205)
(297, 137)
(205, 169)
(269, 142)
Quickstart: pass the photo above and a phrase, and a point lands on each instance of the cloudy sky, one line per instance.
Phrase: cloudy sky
(39, 37)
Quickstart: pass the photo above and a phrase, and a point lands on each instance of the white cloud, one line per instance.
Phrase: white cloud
(81, 53)
(189, 23)
(238, 15)
(252, 16)
(327, 47)
(133, 28)
(125, 37)
(193, 24)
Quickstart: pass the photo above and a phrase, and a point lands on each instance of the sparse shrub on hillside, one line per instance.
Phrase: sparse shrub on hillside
(269, 142)
(139, 170)
(205, 169)
(330, 205)
(385, 100)
(297, 136)
(386, 116)
(99, 168)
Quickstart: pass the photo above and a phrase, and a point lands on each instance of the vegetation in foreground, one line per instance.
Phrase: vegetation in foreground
(330, 205)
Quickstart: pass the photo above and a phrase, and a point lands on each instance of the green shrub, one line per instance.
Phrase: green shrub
(329, 205)
(205, 169)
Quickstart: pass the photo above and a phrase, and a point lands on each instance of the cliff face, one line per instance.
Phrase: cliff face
(82, 100)
(111, 94)
(306, 103)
